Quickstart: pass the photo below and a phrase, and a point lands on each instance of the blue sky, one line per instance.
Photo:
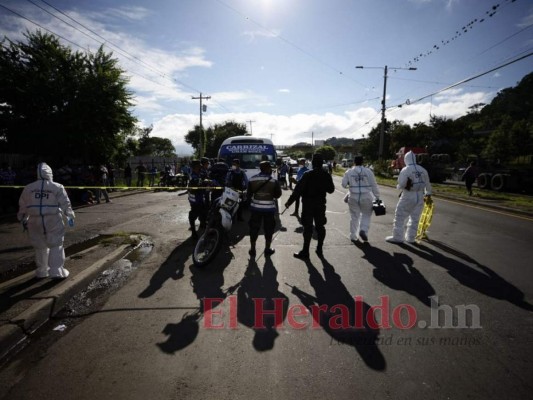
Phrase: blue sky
(289, 65)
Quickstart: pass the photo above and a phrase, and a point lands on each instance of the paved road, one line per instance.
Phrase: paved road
(155, 338)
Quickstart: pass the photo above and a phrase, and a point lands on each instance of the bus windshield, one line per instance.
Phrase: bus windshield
(249, 152)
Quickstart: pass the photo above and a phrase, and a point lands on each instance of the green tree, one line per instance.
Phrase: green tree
(61, 104)
(214, 136)
(328, 152)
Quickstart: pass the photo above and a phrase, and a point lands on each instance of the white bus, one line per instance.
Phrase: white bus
(250, 151)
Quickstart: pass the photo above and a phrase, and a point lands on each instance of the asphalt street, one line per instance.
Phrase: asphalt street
(450, 318)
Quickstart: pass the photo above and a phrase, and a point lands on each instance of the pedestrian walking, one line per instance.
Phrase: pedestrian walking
(127, 175)
(470, 176)
(312, 188)
(363, 190)
(101, 182)
(141, 172)
(264, 192)
(414, 183)
(42, 205)
(282, 175)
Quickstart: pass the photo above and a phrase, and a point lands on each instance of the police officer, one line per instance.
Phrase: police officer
(301, 171)
(237, 180)
(312, 188)
(197, 198)
(264, 191)
(363, 187)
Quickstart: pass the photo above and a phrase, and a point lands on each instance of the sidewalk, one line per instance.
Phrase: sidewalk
(26, 302)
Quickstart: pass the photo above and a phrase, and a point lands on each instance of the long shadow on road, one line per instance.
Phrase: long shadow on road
(331, 292)
(207, 283)
(478, 277)
(261, 289)
(172, 268)
(397, 272)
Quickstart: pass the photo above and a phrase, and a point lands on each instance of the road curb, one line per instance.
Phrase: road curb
(23, 325)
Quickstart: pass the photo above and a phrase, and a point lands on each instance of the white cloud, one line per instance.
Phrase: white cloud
(252, 35)
(284, 90)
(288, 130)
(527, 20)
(131, 13)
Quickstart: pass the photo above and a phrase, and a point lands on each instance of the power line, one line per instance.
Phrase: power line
(437, 83)
(288, 42)
(504, 40)
(72, 42)
(468, 79)
(123, 52)
(40, 26)
(459, 32)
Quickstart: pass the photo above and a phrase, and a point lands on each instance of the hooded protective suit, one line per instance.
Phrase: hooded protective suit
(363, 190)
(42, 204)
(414, 183)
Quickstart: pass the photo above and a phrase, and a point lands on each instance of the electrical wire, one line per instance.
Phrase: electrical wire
(459, 32)
(290, 43)
(409, 102)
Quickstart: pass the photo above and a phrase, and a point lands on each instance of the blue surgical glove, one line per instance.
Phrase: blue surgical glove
(70, 221)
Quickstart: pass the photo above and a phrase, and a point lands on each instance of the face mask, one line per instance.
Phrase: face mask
(234, 167)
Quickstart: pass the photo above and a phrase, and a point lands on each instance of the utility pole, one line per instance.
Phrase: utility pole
(202, 109)
(383, 108)
(251, 134)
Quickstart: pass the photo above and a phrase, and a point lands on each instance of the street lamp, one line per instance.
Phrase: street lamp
(382, 132)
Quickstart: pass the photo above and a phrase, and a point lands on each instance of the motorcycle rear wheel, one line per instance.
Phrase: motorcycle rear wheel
(207, 247)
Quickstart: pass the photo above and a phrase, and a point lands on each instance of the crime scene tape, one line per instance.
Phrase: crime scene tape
(129, 187)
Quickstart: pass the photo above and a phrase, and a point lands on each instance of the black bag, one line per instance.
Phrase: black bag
(379, 208)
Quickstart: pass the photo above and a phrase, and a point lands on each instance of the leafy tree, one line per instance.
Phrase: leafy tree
(61, 104)
(214, 136)
(328, 152)
(370, 149)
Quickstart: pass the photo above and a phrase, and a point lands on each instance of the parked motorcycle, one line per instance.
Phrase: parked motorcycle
(219, 220)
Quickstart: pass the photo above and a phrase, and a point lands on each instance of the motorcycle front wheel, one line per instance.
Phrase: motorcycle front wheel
(207, 247)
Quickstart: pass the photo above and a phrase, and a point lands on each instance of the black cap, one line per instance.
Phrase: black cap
(204, 160)
(195, 163)
(317, 160)
(264, 165)
(236, 161)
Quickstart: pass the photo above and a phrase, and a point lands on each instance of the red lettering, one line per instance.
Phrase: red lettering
(315, 312)
(383, 308)
(397, 317)
(341, 320)
(260, 313)
(297, 310)
(208, 305)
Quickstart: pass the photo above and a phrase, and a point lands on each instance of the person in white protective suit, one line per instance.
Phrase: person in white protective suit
(416, 189)
(363, 189)
(42, 205)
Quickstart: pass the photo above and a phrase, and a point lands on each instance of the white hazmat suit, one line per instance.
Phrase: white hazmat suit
(363, 188)
(42, 205)
(411, 201)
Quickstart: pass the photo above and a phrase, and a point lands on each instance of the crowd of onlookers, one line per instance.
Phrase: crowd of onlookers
(97, 177)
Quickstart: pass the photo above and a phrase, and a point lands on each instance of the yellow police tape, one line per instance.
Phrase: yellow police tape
(425, 221)
(127, 187)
